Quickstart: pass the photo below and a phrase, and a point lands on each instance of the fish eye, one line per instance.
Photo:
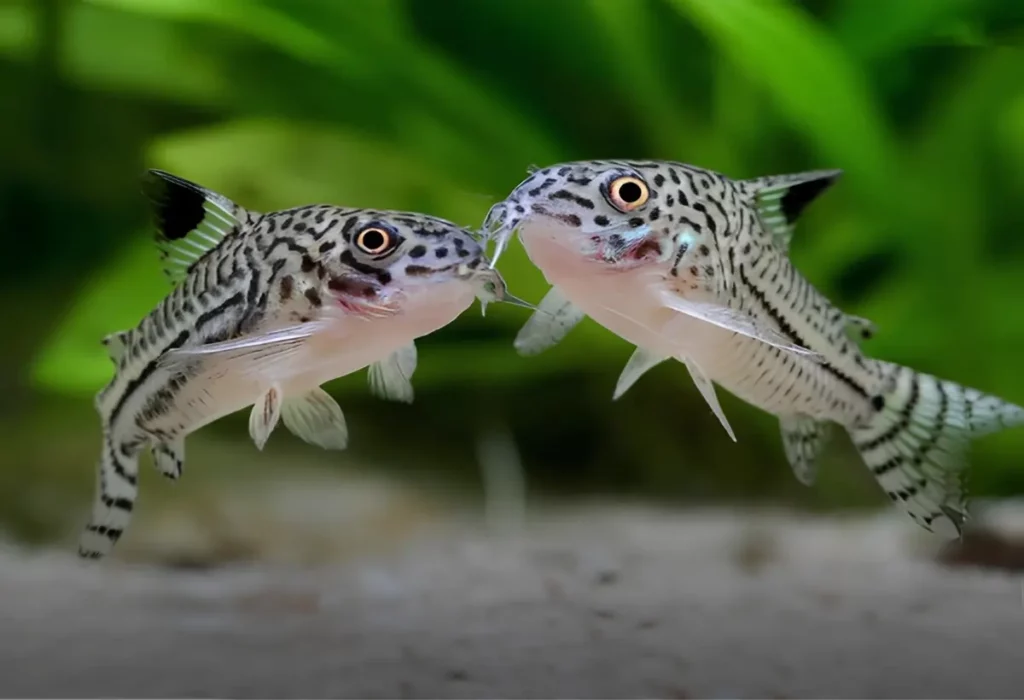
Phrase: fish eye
(374, 240)
(627, 193)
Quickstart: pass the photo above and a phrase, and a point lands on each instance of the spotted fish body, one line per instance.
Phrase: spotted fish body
(691, 265)
(266, 308)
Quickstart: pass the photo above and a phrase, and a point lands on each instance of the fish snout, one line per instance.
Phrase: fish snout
(491, 287)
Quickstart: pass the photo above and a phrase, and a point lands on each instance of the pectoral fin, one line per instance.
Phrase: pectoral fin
(803, 439)
(707, 390)
(732, 320)
(638, 364)
(264, 415)
(316, 418)
(274, 354)
(264, 339)
(549, 324)
(391, 378)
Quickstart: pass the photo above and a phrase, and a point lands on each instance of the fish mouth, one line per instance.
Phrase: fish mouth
(626, 247)
(361, 296)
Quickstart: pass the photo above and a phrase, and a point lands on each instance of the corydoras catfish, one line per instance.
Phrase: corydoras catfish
(689, 264)
(265, 308)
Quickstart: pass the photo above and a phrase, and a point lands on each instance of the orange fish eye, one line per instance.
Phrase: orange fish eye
(627, 193)
(375, 240)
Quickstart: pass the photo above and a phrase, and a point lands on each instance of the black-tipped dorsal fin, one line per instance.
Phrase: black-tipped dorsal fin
(780, 199)
(190, 220)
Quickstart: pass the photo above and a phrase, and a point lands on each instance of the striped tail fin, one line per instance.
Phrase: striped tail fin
(116, 490)
(917, 442)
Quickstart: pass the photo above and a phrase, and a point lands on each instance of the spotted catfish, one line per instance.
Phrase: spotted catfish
(691, 265)
(265, 308)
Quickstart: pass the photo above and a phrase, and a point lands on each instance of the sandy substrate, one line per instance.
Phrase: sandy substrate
(598, 603)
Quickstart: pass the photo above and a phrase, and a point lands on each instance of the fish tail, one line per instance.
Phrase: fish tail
(917, 441)
(114, 498)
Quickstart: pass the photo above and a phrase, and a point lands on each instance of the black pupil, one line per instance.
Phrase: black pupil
(373, 239)
(630, 192)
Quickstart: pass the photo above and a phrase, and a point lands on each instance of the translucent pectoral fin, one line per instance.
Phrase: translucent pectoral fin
(707, 390)
(316, 418)
(271, 338)
(391, 378)
(275, 353)
(732, 320)
(549, 324)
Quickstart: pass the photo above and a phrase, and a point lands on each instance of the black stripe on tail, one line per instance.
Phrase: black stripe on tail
(114, 499)
(917, 443)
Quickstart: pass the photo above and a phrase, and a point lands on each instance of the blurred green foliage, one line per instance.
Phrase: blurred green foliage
(441, 107)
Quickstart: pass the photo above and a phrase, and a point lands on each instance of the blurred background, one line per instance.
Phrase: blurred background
(441, 107)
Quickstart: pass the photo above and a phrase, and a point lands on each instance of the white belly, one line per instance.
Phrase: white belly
(350, 345)
(623, 302)
(626, 303)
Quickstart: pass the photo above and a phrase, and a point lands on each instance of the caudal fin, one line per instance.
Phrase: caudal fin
(917, 443)
(116, 490)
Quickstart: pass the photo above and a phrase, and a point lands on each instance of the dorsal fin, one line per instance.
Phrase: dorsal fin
(780, 199)
(115, 344)
(190, 220)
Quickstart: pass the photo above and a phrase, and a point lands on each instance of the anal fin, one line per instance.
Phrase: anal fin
(169, 458)
(316, 418)
(803, 438)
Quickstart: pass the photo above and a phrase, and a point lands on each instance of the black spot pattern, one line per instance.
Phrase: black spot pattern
(177, 203)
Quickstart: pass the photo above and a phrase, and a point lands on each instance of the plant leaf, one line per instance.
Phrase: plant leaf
(811, 81)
